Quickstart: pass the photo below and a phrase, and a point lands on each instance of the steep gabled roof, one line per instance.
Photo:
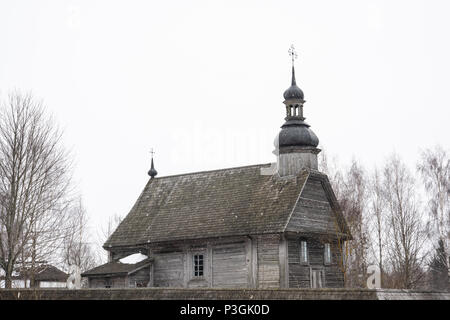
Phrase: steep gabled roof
(44, 272)
(51, 273)
(219, 203)
(317, 210)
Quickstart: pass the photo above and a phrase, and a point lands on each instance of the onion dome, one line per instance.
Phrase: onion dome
(296, 133)
(293, 92)
(152, 172)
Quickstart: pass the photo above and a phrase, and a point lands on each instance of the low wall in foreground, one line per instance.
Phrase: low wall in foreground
(219, 294)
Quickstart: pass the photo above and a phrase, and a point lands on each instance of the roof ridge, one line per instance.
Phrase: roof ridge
(214, 170)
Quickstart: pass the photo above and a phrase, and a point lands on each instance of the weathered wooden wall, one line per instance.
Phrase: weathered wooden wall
(263, 261)
(268, 261)
(313, 212)
(168, 269)
(226, 264)
(229, 265)
(139, 277)
(293, 163)
(114, 282)
(96, 283)
(299, 273)
(119, 282)
(313, 219)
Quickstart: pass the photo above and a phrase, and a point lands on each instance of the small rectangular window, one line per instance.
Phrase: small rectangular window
(198, 265)
(303, 252)
(327, 254)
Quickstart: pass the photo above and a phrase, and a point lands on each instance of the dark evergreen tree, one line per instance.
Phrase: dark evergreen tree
(439, 269)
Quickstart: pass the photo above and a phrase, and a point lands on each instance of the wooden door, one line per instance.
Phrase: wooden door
(316, 278)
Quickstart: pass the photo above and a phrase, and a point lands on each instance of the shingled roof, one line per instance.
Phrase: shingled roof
(219, 203)
(51, 273)
(117, 268)
(44, 272)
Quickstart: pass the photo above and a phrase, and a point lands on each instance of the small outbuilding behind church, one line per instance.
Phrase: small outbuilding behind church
(116, 274)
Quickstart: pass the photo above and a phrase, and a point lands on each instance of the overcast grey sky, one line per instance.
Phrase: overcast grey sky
(202, 81)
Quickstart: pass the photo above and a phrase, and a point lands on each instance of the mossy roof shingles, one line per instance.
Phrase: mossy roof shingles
(116, 268)
(235, 201)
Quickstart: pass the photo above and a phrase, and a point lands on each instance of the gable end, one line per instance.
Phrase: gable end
(317, 210)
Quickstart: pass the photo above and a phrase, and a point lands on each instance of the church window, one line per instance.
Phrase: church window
(198, 265)
(327, 254)
(303, 252)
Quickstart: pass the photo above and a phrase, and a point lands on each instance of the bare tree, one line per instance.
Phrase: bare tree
(377, 215)
(108, 229)
(343, 250)
(77, 245)
(34, 179)
(434, 168)
(406, 233)
(353, 202)
(111, 225)
(350, 188)
(331, 167)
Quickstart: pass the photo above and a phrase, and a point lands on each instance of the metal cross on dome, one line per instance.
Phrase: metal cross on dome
(292, 53)
(152, 152)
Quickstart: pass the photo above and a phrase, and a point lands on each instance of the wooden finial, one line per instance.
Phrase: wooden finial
(152, 172)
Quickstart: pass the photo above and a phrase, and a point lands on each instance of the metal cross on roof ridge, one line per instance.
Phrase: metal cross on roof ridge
(292, 53)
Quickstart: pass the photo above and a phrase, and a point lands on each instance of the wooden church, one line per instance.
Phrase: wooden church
(262, 226)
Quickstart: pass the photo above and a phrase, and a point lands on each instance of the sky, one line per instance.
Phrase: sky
(202, 82)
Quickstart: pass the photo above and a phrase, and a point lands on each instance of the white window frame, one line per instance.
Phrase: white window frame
(327, 254)
(194, 275)
(304, 252)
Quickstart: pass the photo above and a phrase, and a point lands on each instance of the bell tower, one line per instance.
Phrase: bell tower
(296, 144)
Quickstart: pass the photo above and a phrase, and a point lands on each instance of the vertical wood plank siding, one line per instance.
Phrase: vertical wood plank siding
(299, 274)
(96, 283)
(168, 269)
(229, 266)
(268, 261)
(313, 190)
(140, 276)
(313, 212)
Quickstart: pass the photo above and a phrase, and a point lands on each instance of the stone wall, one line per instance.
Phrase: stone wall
(218, 294)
